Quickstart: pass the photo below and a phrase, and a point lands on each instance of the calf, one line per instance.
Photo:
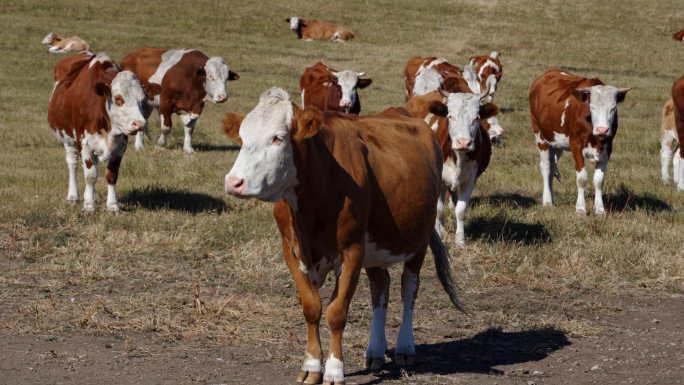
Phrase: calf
(679, 36)
(187, 77)
(63, 44)
(669, 144)
(678, 115)
(93, 108)
(467, 149)
(571, 113)
(463, 79)
(329, 90)
(319, 30)
(350, 193)
(489, 71)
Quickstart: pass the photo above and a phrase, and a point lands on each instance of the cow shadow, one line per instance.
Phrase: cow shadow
(513, 200)
(501, 228)
(203, 147)
(626, 200)
(161, 198)
(478, 354)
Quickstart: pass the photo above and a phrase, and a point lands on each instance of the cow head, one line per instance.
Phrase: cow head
(602, 102)
(489, 71)
(216, 74)
(294, 22)
(265, 168)
(124, 102)
(463, 112)
(492, 126)
(347, 82)
(50, 38)
(427, 80)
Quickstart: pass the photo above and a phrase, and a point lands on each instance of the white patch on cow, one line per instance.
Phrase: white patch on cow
(494, 55)
(326, 84)
(334, 370)
(318, 272)
(377, 257)
(68, 46)
(99, 58)
(471, 79)
(311, 364)
(581, 204)
(377, 345)
(565, 73)
(592, 155)
(53, 92)
(495, 129)
(433, 63)
(429, 118)
(427, 80)
(560, 141)
(487, 64)
(302, 267)
(294, 22)
(169, 59)
(303, 98)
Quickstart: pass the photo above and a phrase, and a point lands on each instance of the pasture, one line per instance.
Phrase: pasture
(188, 267)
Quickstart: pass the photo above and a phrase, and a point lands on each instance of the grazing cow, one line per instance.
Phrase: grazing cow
(467, 149)
(678, 113)
(679, 35)
(351, 192)
(188, 78)
(310, 30)
(492, 126)
(62, 44)
(93, 108)
(489, 71)
(329, 90)
(462, 79)
(669, 144)
(571, 113)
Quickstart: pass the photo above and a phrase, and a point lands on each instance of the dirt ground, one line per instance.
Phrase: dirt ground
(638, 340)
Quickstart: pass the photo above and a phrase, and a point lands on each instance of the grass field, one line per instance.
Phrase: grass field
(186, 262)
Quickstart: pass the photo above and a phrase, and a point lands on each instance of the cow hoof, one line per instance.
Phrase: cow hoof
(138, 148)
(375, 363)
(88, 209)
(189, 150)
(307, 377)
(580, 212)
(547, 204)
(160, 147)
(113, 208)
(328, 382)
(403, 359)
(602, 212)
(72, 199)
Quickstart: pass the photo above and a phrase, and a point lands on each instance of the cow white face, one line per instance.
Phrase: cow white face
(495, 130)
(48, 39)
(264, 168)
(603, 105)
(463, 118)
(428, 80)
(215, 82)
(294, 23)
(124, 103)
(348, 81)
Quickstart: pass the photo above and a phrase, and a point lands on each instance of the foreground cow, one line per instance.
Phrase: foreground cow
(62, 44)
(93, 108)
(571, 113)
(319, 30)
(188, 78)
(679, 36)
(678, 114)
(463, 80)
(467, 149)
(351, 193)
(669, 144)
(329, 90)
(489, 71)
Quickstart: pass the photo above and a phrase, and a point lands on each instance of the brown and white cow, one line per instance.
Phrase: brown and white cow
(188, 79)
(463, 79)
(93, 108)
(330, 90)
(678, 114)
(467, 149)
(571, 113)
(63, 44)
(669, 144)
(310, 30)
(489, 71)
(679, 36)
(350, 193)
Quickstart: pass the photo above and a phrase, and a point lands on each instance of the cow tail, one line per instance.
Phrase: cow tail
(442, 265)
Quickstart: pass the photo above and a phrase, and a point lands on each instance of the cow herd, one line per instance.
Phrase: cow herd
(351, 192)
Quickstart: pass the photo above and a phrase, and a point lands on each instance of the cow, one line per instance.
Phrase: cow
(330, 90)
(489, 71)
(93, 108)
(669, 144)
(462, 79)
(679, 36)
(63, 44)
(188, 79)
(467, 149)
(350, 192)
(571, 113)
(492, 126)
(310, 30)
(678, 114)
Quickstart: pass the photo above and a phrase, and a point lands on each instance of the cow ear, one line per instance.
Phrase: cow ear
(56, 39)
(231, 126)
(451, 84)
(308, 123)
(363, 83)
(152, 90)
(622, 93)
(101, 89)
(582, 95)
(232, 75)
(488, 110)
(439, 109)
(201, 73)
(288, 19)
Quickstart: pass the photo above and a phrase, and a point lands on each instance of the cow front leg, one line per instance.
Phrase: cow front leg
(112, 175)
(439, 220)
(546, 168)
(189, 121)
(582, 178)
(679, 167)
(72, 164)
(666, 155)
(410, 282)
(463, 197)
(676, 162)
(90, 171)
(599, 174)
(165, 118)
(379, 280)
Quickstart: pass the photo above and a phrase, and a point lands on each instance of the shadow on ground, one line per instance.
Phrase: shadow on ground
(512, 200)
(479, 354)
(501, 228)
(627, 200)
(156, 198)
(214, 147)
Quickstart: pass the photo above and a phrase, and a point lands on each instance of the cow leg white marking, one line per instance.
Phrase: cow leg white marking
(72, 164)
(189, 121)
(139, 141)
(465, 190)
(666, 154)
(679, 167)
(599, 173)
(165, 129)
(439, 221)
(406, 349)
(311, 364)
(334, 371)
(582, 178)
(303, 107)
(375, 354)
(112, 202)
(90, 179)
(676, 165)
(546, 170)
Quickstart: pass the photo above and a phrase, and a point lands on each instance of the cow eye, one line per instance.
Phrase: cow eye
(211, 77)
(119, 100)
(277, 140)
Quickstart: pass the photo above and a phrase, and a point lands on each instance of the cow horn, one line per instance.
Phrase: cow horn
(334, 73)
(623, 89)
(484, 93)
(363, 73)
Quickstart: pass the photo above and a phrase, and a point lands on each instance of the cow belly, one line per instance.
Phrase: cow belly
(65, 138)
(560, 141)
(453, 175)
(378, 257)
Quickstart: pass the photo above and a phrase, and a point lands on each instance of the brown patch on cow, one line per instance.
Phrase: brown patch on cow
(309, 123)
(152, 90)
(543, 146)
(231, 126)
(88, 163)
(679, 35)
(488, 110)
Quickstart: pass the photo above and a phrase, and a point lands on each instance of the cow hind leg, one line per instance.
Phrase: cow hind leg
(546, 167)
(679, 167)
(72, 164)
(410, 282)
(676, 164)
(189, 121)
(379, 285)
(439, 220)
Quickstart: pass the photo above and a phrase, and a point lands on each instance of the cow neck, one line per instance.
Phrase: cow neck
(299, 30)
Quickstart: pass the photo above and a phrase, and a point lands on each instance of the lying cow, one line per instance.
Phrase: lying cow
(489, 71)
(330, 90)
(678, 115)
(188, 78)
(463, 79)
(310, 30)
(467, 149)
(571, 113)
(63, 44)
(350, 193)
(679, 36)
(93, 108)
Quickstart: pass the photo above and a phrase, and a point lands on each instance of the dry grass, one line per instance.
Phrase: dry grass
(185, 262)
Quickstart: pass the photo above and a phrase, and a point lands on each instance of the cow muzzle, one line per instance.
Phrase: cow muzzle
(221, 98)
(235, 186)
(463, 145)
(602, 131)
(137, 126)
(345, 103)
